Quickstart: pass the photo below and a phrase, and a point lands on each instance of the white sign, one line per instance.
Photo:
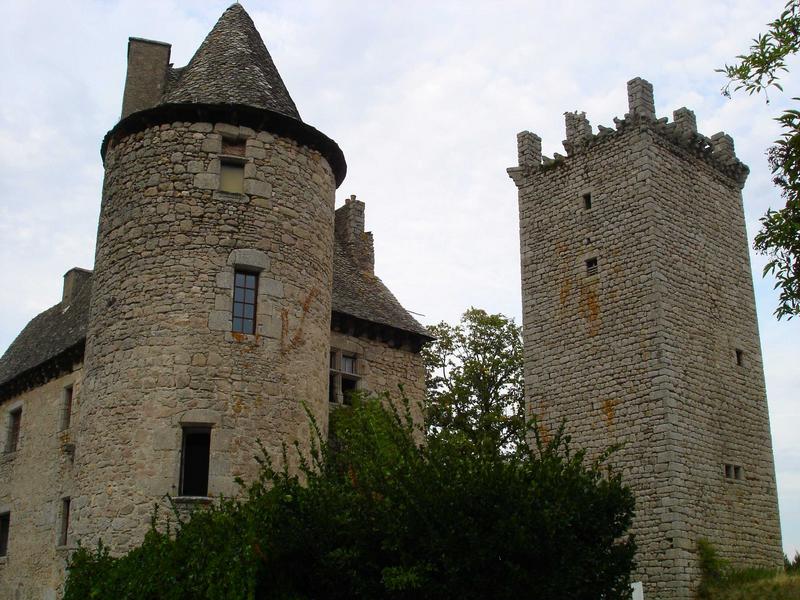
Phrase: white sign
(638, 590)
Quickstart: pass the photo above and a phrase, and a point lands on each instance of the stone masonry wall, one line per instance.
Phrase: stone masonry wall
(643, 351)
(384, 369)
(717, 407)
(160, 354)
(590, 348)
(33, 481)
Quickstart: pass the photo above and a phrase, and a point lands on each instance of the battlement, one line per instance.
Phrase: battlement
(717, 150)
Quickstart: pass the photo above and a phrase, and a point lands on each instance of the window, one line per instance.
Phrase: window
(14, 423)
(66, 408)
(587, 201)
(5, 525)
(195, 452)
(591, 266)
(64, 530)
(245, 291)
(231, 176)
(344, 378)
(734, 472)
(739, 357)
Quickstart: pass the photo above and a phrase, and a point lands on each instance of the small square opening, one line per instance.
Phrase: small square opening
(591, 266)
(231, 176)
(587, 201)
(739, 357)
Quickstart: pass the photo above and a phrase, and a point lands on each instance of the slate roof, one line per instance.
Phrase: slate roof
(57, 330)
(231, 66)
(62, 327)
(364, 296)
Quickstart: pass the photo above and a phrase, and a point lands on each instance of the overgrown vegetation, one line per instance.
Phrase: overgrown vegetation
(720, 581)
(384, 516)
(757, 72)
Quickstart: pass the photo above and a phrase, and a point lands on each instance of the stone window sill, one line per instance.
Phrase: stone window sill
(192, 500)
(220, 195)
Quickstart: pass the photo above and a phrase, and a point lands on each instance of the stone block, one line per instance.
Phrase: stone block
(206, 181)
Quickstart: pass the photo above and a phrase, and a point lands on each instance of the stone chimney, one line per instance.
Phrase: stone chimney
(74, 279)
(148, 62)
(349, 229)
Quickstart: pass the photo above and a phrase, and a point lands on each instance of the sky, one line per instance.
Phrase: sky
(425, 99)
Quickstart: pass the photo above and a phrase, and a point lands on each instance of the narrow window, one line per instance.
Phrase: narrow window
(245, 290)
(66, 408)
(231, 176)
(587, 201)
(344, 378)
(591, 266)
(14, 424)
(739, 357)
(348, 364)
(64, 530)
(737, 472)
(194, 461)
(5, 525)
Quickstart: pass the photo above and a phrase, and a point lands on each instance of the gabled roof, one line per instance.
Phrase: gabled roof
(58, 331)
(232, 66)
(55, 337)
(364, 296)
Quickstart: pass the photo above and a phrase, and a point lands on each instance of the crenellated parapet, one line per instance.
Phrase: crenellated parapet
(681, 134)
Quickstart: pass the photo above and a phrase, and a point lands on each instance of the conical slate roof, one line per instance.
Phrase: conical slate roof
(232, 66)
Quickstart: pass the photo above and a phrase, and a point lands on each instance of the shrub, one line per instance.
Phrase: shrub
(386, 517)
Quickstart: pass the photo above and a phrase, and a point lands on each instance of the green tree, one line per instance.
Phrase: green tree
(757, 72)
(386, 517)
(474, 380)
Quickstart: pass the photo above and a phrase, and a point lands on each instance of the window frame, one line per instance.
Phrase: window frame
(186, 431)
(246, 272)
(67, 402)
(592, 266)
(13, 429)
(5, 533)
(63, 522)
(338, 375)
(228, 163)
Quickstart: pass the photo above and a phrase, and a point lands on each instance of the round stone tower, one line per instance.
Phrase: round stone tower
(211, 302)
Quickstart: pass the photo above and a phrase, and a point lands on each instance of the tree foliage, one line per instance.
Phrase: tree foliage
(756, 72)
(384, 516)
(474, 381)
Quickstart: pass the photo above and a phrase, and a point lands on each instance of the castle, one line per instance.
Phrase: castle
(640, 329)
(227, 297)
(227, 294)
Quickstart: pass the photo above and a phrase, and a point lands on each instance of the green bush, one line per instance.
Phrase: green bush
(721, 581)
(386, 517)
